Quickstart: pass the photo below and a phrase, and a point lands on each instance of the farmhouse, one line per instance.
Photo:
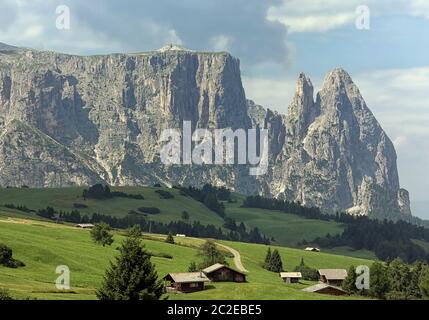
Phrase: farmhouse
(291, 277)
(324, 288)
(85, 225)
(312, 249)
(219, 272)
(186, 282)
(334, 277)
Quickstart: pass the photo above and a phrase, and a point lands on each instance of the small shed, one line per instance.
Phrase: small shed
(85, 225)
(324, 288)
(334, 277)
(219, 272)
(291, 277)
(186, 282)
(312, 249)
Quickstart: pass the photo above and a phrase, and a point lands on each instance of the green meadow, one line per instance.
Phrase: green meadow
(286, 229)
(43, 246)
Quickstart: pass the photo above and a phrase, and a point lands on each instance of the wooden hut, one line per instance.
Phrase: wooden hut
(84, 225)
(334, 277)
(324, 288)
(186, 282)
(219, 272)
(291, 277)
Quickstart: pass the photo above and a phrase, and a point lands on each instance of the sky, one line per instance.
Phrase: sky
(275, 40)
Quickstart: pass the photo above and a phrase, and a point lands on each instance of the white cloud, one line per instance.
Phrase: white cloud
(419, 8)
(272, 93)
(221, 43)
(314, 15)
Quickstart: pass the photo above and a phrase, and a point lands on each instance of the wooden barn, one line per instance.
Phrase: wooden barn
(291, 277)
(324, 288)
(84, 225)
(219, 272)
(334, 277)
(185, 282)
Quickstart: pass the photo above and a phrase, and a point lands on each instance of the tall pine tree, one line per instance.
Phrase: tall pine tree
(276, 262)
(349, 283)
(267, 261)
(132, 276)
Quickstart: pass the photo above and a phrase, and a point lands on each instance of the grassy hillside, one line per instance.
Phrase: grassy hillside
(287, 229)
(42, 246)
(65, 198)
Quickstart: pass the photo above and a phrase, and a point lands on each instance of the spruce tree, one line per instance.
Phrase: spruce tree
(135, 231)
(267, 262)
(276, 264)
(169, 239)
(349, 283)
(379, 280)
(132, 276)
(424, 282)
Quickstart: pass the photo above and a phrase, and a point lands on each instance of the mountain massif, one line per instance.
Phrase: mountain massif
(73, 120)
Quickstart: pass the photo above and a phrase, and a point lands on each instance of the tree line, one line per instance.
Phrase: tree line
(194, 229)
(260, 202)
(394, 280)
(387, 239)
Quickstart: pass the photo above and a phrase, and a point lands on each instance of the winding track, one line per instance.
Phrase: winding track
(237, 257)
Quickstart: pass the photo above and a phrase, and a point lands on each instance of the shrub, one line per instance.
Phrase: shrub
(80, 206)
(149, 210)
(164, 194)
(5, 295)
(6, 258)
(101, 234)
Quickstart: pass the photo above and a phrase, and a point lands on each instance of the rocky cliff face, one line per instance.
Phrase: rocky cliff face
(71, 120)
(335, 153)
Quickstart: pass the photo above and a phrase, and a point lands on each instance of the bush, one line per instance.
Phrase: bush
(80, 206)
(6, 258)
(169, 239)
(164, 194)
(149, 210)
(101, 234)
(307, 272)
(4, 295)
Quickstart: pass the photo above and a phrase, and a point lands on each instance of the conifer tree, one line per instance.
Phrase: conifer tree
(132, 276)
(276, 264)
(349, 283)
(424, 282)
(267, 261)
(169, 239)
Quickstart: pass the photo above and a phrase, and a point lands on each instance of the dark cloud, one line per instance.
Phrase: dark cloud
(145, 25)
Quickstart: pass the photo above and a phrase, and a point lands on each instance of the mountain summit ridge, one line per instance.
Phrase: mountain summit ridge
(107, 112)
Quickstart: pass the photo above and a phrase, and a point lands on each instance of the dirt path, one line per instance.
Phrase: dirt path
(237, 257)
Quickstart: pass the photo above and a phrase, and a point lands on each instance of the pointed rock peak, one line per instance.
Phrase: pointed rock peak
(337, 76)
(304, 85)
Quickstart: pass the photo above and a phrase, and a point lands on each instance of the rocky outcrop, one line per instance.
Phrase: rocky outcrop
(336, 155)
(72, 120)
